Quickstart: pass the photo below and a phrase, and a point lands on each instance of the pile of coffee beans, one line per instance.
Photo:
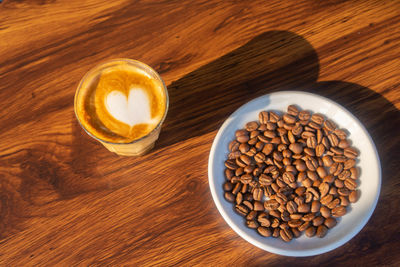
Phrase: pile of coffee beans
(291, 173)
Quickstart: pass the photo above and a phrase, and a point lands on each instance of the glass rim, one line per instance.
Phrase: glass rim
(129, 61)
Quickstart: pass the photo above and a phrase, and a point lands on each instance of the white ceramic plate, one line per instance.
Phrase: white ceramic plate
(369, 181)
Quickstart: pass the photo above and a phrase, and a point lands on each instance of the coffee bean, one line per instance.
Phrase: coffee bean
(317, 118)
(343, 144)
(239, 171)
(317, 221)
(334, 167)
(324, 189)
(315, 206)
(349, 164)
(330, 125)
(336, 150)
(340, 134)
(354, 173)
(319, 150)
(289, 119)
(344, 201)
(263, 117)
(264, 231)
(251, 152)
(242, 138)
(273, 117)
(339, 211)
(257, 194)
(339, 159)
(314, 125)
(246, 178)
(229, 196)
(239, 198)
(280, 124)
(325, 212)
(343, 191)
(229, 174)
(251, 215)
(312, 164)
(252, 224)
(259, 157)
(308, 217)
(296, 216)
(330, 222)
(317, 183)
(293, 110)
(310, 231)
(276, 140)
(276, 232)
(251, 126)
(234, 145)
(275, 213)
(333, 203)
(350, 152)
(230, 164)
(242, 210)
(295, 223)
(321, 172)
(245, 159)
(288, 177)
(285, 216)
(228, 186)
(319, 136)
(244, 148)
(314, 192)
(312, 142)
(354, 195)
(258, 206)
(303, 208)
(328, 179)
(304, 115)
(297, 130)
(309, 151)
(326, 199)
(338, 183)
(351, 184)
(312, 175)
(321, 231)
(286, 235)
(271, 126)
(254, 134)
(264, 221)
(304, 226)
(326, 143)
(271, 204)
(270, 134)
(275, 187)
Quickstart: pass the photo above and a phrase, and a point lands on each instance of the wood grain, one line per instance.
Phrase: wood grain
(65, 200)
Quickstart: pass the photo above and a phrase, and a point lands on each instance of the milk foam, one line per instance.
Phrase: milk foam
(132, 109)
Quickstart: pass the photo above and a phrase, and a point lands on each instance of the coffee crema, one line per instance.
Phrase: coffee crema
(120, 103)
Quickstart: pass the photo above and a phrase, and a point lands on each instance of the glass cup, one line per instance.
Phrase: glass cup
(139, 146)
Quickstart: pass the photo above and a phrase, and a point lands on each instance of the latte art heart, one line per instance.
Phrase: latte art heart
(132, 109)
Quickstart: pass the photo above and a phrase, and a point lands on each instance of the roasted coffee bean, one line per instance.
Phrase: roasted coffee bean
(301, 177)
(244, 148)
(319, 136)
(330, 125)
(296, 216)
(259, 146)
(285, 140)
(228, 186)
(248, 204)
(230, 164)
(312, 164)
(273, 117)
(258, 206)
(321, 231)
(234, 145)
(271, 204)
(270, 134)
(297, 130)
(312, 175)
(239, 198)
(303, 208)
(229, 196)
(268, 148)
(324, 189)
(317, 183)
(246, 178)
(287, 153)
(276, 232)
(351, 184)
(314, 192)
(259, 157)
(343, 144)
(343, 191)
(293, 110)
(275, 213)
(350, 152)
(265, 179)
(276, 140)
(249, 168)
(304, 115)
(242, 210)
(254, 134)
(296, 148)
(281, 208)
(325, 142)
(234, 155)
(328, 179)
(281, 147)
(251, 152)
(264, 231)
(252, 224)
(325, 212)
(354, 173)
(354, 195)
(264, 221)
(263, 117)
(319, 150)
(330, 222)
(294, 223)
(285, 216)
(349, 164)
(286, 235)
(339, 211)
(289, 119)
(308, 217)
(309, 151)
(317, 118)
(339, 159)
(268, 191)
(344, 201)
(281, 198)
(333, 204)
(338, 183)
(251, 126)
(281, 131)
(271, 126)
(275, 187)
(263, 139)
(315, 206)
(304, 226)
(333, 139)
(288, 177)
(307, 182)
(334, 167)
(251, 215)
(262, 127)
(291, 207)
(317, 221)
(321, 172)
(310, 231)
(312, 142)
(235, 180)
(336, 150)
(340, 134)
(257, 194)
(239, 171)
(314, 125)
(243, 138)
(310, 129)
(326, 199)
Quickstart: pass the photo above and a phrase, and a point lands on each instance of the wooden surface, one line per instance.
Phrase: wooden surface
(65, 200)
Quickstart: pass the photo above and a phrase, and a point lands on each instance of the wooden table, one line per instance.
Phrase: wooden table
(65, 200)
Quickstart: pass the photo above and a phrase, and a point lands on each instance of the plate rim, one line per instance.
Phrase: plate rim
(300, 253)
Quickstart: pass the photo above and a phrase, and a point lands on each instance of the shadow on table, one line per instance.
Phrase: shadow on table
(273, 61)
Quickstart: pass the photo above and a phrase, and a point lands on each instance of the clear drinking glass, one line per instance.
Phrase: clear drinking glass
(139, 146)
